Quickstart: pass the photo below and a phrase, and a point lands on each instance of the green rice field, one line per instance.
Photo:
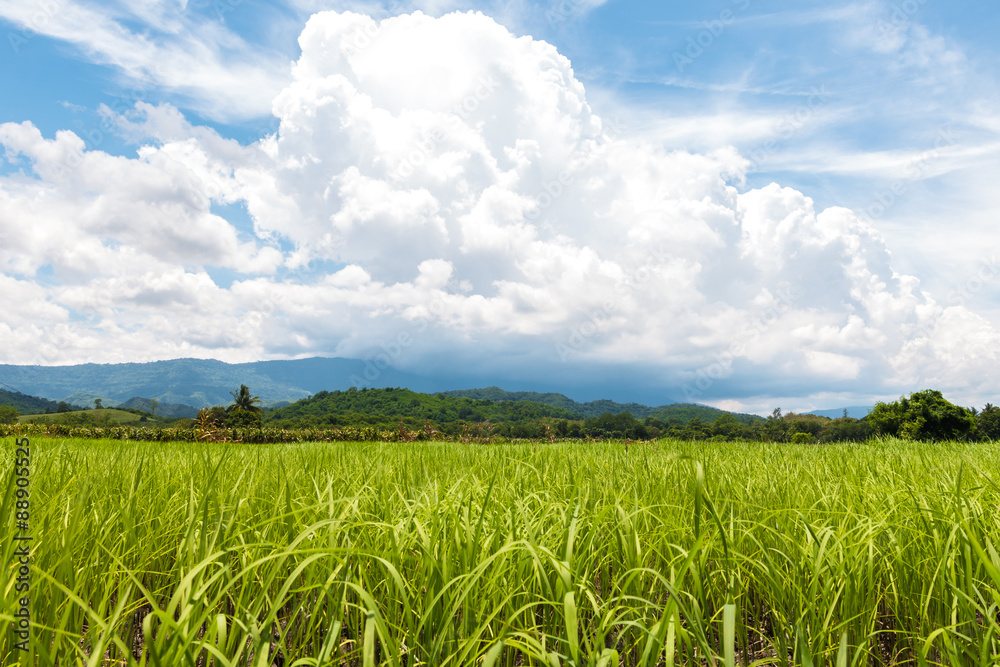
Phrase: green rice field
(451, 554)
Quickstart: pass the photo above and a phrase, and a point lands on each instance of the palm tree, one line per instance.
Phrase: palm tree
(243, 400)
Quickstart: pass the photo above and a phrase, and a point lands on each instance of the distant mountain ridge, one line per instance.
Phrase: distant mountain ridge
(199, 383)
(853, 411)
(202, 382)
(682, 411)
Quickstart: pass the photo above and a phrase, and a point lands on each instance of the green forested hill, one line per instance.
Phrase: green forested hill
(688, 411)
(497, 394)
(682, 411)
(386, 406)
(27, 405)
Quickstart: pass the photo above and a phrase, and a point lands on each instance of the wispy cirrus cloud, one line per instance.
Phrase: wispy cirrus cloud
(165, 44)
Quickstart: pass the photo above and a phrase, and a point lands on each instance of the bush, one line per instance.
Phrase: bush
(8, 414)
(988, 423)
(608, 425)
(239, 418)
(846, 429)
(924, 415)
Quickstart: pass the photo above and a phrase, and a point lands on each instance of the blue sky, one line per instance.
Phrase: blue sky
(740, 203)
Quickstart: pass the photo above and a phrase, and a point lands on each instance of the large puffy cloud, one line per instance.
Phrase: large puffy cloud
(444, 183)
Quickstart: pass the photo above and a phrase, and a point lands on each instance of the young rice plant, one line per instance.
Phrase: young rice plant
(448, 554)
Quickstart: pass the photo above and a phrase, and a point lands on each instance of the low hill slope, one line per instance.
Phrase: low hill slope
(85, 400)
(682, 411)
(387, 405)
(706, 413)
(27, 405)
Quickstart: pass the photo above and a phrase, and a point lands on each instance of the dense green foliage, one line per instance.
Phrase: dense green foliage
(988, 422)
(510, 417)
(244, 412)
(240, 418)
(386, 407)
(622, 425)
(777, 428)
(8, 414)
(883, 553)
(219, 424)
(221, 433)
(401, 414)
(27, 405)
(923, 415)
(682, 411)
(688, 411)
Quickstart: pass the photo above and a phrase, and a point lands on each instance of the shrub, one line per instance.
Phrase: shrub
(988, 422)
(240, 418)
(8, 414)
(924, 415)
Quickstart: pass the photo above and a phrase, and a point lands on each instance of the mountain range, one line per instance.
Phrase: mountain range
(853, 411)
(181, 386)
(198, 382)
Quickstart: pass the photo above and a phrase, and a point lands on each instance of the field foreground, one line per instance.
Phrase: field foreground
(670, 553)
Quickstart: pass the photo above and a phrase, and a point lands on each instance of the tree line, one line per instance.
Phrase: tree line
(924, 415)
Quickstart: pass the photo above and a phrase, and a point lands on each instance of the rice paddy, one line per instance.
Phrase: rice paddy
(450, 554)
